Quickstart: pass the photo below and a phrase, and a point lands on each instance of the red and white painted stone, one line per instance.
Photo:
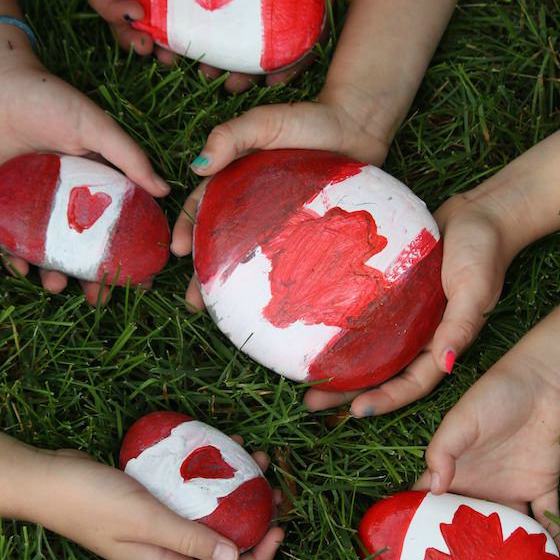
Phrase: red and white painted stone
(201, 474)
(254, 36)
(422, 526)
(319, 267)
(82, 218)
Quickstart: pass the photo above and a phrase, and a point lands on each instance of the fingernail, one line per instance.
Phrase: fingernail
(225, 551)
(450, 358)
(366, 412)
(201, 162)
(162, 185)
(435, 483)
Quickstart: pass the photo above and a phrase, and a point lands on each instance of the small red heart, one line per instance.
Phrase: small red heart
(84, 208)
(212, 5)
(206, 462)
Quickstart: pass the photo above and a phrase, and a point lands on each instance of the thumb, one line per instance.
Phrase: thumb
(455, 435)
(102, 135)
(302, 125)
(188, 538)
(463, 318)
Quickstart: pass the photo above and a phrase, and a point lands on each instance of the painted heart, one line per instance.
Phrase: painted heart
(85, 208)
(206, 462)
(212, 5)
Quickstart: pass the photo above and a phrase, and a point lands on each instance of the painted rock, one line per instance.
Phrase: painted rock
(82, 218)
(201, 474)
(254, 36)
(319, 267)
(422, 526)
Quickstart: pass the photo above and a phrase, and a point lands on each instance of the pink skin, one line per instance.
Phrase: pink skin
(119, 13)
(500, 442)
(108, 512)
(40, 112)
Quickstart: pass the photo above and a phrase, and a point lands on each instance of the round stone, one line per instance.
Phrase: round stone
(253, 36)
(319, 267)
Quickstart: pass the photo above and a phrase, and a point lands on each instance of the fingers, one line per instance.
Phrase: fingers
(209, 72)
(188, 538)
(165, 56)
(316, 400)
(193, 297)
(15, 265)
(418, 380)
(463, 318)
(262, 459)
(135, 551)
(456, 434)
(54, 282)
(267, 548)
(181, 242)
(117, 11)
(302, 125)
(101, 134)
(96, 294)
(237, 82)
(548, 503)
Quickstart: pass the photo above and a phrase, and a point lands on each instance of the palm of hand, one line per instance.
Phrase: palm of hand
(514, 457)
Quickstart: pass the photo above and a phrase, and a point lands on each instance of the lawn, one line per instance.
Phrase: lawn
(74, 376)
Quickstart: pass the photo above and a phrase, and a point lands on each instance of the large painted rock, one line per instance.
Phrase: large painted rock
(254, 36)
(201, 474)
(82, 218)
(319, 267)
(422, 526)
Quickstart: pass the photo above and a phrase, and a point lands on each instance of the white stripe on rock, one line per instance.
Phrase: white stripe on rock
(230, 37)
(158, 469)
(67, 250)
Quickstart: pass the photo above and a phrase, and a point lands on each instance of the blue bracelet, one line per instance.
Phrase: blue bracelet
(9, 20)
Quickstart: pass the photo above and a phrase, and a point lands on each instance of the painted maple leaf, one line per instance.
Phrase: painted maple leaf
(474, 536)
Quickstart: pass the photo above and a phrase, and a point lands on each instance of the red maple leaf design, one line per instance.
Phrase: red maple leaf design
(474, 536)
(318, 271)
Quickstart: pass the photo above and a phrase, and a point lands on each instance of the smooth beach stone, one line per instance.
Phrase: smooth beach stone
(319, 267)
(422, 526)
(82, 218)
(253, 36)
(201, 474)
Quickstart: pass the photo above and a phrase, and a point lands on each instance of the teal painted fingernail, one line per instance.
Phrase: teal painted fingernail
(201, 161)
(366, 412)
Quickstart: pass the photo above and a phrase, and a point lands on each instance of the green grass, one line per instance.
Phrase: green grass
(73, 376)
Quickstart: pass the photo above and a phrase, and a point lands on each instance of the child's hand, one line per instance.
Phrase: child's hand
(120, 13)
(474, 263)
(500, 442)
(40, 112)
(326, 126)
(108, 512)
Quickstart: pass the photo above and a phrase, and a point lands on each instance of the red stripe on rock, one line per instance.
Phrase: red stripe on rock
(147, 431)
(385, 524)
(291, 29)
(237, 213)
(155, 20)
(390, 332)
(244, 515)
(28, 186)
(139, 246)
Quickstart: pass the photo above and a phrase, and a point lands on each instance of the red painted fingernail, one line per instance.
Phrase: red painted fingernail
(450, 358)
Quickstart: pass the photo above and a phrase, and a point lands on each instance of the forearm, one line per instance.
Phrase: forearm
(382, 56)
(17, 475)
(524, 198)
(9, 8)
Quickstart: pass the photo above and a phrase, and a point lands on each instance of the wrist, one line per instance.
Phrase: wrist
(19, 465)
(370, 121)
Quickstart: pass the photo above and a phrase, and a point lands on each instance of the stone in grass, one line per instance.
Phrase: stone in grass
(319, 267)
(253, 36)
(423, 526)
(201, 474)
(82, 218)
